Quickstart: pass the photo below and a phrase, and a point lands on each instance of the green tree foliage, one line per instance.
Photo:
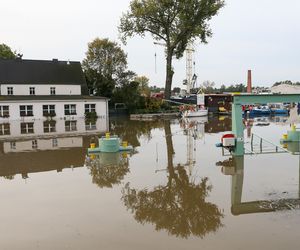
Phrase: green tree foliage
(104, 66)
(129, 94)
(155, 89)
(208, 88)
(174, 22)
(236, 88)
(6, 52)
(143, 85)
(176, 90)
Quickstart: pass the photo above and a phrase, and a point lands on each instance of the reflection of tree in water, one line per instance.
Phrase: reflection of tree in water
(131, 131)
(178, 207)
(108, 169)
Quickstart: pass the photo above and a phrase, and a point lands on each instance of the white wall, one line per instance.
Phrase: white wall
(14, 108)
(42, 89)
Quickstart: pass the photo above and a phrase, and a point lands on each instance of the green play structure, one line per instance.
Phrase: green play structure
(237, 115)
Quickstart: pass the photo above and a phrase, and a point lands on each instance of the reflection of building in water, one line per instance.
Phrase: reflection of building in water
(47, 135)
(37, 145)
(217, 124)
(21, 129)
(41, 155)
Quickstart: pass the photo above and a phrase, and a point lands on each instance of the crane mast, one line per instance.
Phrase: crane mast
(189, 67)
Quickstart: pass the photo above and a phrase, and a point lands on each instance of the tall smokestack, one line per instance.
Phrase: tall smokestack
(249, 82)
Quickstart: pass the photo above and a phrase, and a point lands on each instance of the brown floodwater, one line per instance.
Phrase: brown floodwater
(176, 190)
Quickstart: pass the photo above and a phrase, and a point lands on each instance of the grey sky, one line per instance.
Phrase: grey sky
(262, 35)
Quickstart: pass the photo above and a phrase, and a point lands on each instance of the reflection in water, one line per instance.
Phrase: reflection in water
(108, 169)
(234, 166)
(217, 124)
(21, 157)
(131, 131)
(44, 145)
(179, 206)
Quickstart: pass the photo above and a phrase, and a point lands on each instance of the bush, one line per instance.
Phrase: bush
(90, 116)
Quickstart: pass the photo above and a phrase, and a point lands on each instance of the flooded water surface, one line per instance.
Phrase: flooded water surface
(175, 190)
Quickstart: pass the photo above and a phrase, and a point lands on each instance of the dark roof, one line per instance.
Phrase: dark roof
(48, 97)
(19, 71)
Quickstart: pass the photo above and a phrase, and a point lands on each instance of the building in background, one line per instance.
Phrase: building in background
(38, 89)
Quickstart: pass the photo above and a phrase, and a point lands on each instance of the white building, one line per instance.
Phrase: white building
(286, 89)
(37, 89)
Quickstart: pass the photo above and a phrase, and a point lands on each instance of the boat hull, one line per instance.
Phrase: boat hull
(197, 113)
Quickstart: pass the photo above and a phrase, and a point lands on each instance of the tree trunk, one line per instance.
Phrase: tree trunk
(169, 75)
(170, 148)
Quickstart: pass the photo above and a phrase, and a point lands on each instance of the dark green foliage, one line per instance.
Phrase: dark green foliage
(98, 84)
(128, 93)
(90, 116)
(104, 66)
(6, 52)
(232, 88)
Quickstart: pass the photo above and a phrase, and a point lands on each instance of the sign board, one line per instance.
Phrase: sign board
(200, 99)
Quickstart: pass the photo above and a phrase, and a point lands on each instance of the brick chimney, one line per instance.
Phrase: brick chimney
(249, 82)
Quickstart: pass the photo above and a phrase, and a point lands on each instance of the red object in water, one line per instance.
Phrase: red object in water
(227, 136)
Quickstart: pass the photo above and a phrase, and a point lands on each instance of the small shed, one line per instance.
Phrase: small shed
(216, 101)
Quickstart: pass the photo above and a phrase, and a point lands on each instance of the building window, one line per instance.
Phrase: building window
(90, 125)
(32, 90)
(27, 128)
(13, 145)
(49, 110)
(34, 144)
(54, 143)
(70, 126)
(52, 91)
(26, 110)
(4, 111)
(70, 109)
(10, 90)
(49, 126)
(5, 129)
(89, 108)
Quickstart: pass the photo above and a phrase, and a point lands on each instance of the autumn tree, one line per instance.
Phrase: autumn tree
(6, 52)
(143, 86)
(174, 22)
(104, 66)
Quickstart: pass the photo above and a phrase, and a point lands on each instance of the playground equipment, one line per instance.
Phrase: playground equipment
(237, 115)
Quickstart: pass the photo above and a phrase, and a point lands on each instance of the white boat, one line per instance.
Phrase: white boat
(195, 110)
(195, 113)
